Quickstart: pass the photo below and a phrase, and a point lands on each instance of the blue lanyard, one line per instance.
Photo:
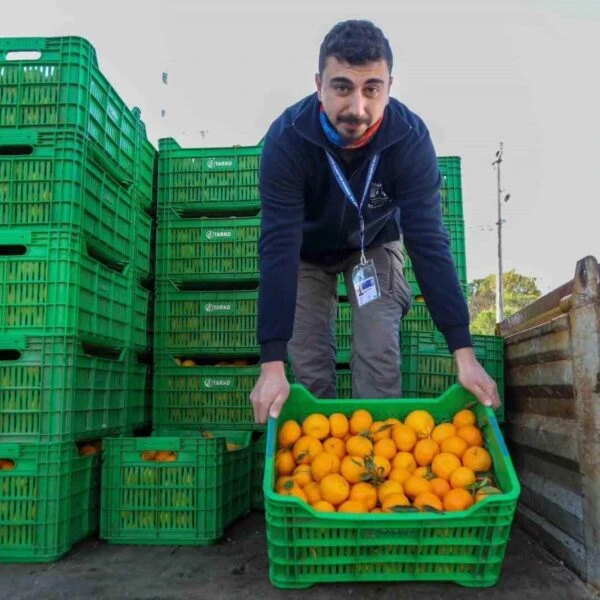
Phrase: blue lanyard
(343, 183)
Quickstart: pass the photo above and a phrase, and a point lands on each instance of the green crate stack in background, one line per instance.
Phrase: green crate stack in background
(76, 185)
(206, 358)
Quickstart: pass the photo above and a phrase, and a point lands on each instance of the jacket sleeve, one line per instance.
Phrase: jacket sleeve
(282, 218)
(427, 242)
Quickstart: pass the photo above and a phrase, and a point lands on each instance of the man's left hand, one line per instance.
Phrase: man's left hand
(473, 377)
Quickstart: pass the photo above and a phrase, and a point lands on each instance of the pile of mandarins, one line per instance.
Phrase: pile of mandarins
(358, 465)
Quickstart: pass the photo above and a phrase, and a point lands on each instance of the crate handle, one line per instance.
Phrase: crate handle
(18, 138)
(14, 238)
(10, 451)
(158, 443)
(49, 48)
(9, 45)
(12, 342)
(107, 164)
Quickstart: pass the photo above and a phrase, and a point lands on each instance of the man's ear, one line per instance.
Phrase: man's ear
(319, 84)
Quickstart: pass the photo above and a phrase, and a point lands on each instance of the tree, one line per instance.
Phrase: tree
(519, 291)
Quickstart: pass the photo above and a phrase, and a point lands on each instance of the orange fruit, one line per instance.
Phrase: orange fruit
(399, 474)
(302, 475)
(360, 421)
(404, 437)
(393, 421)
(425, 451)
(382, 466)
(424, 472)
(312, 491)
(188, 363)
(404, 460)
(324, 464)
(444, 464)
(352, 506)
(323, 506)
(414, 486)
(385, 447)
(485, 492)
(334, 489)
(443, 432)
(463, 418)
(428, 499)
(316, 425)
(438, 486)
(87, 450)
(454, 445)
(380, 431)
(149, 455)
(376, 510)
(284, 481)
(421, 422)
(166, 456)
(292, 489)
(471, 435)
(6, 464)
(289, 434)
(305, 449)
(365, 493)
(336, 446)
(387, 488)
(457, 499)
(478, 459)
(394, 501)
(347, 437)
(353, 468)
(338, 425)
(462, 477)
(284, 462)
(358, 445)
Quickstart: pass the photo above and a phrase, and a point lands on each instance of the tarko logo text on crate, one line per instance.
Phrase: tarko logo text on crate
(217, 382)
(213, 307)
(213, 163)
(211, 235)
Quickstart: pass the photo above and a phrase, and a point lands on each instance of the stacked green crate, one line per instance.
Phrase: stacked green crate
(76, 180)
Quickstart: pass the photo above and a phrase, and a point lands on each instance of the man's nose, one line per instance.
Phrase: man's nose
(357, 104)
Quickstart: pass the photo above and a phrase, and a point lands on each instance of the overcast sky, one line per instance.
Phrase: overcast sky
(478, 72)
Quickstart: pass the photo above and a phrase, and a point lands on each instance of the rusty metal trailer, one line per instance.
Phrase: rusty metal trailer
(552, 360)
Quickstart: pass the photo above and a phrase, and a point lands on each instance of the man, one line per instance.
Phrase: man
(347, 174)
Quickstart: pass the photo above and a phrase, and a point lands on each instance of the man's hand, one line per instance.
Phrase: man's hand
(270, 392)
(473, 377)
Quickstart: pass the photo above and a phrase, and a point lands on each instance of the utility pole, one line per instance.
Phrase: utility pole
(500, 277)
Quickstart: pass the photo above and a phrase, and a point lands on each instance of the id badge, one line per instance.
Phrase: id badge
(366, 285)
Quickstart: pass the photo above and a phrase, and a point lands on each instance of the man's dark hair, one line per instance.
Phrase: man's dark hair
(356, 42)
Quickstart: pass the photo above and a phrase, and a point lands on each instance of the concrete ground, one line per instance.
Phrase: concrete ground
(238, 568)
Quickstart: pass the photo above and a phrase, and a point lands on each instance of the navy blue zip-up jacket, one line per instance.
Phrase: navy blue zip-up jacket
(305, 214)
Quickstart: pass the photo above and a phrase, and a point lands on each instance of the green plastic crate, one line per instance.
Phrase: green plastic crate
(215, 397)
(51, 283)
(51, 179)
(419, 317)
(221, 323)
(208, 180)
(344, 382)
(428, 368)
(306, 547)
(145, 165)
(344, 332)
(141, 339)
(259, 447)
(456, 232)
(55, 389)
(190, 501)
(49, 501)
(63, 88)
(207, 250)
(451, 188)
(144, 241)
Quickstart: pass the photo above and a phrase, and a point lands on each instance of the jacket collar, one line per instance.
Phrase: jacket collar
(393, 128)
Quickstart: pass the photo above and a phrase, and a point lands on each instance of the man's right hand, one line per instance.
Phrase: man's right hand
(270, 392)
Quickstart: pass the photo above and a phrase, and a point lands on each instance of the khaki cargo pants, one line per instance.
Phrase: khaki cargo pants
(375, 356)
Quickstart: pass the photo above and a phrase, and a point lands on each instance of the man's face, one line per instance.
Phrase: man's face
(354, 97)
